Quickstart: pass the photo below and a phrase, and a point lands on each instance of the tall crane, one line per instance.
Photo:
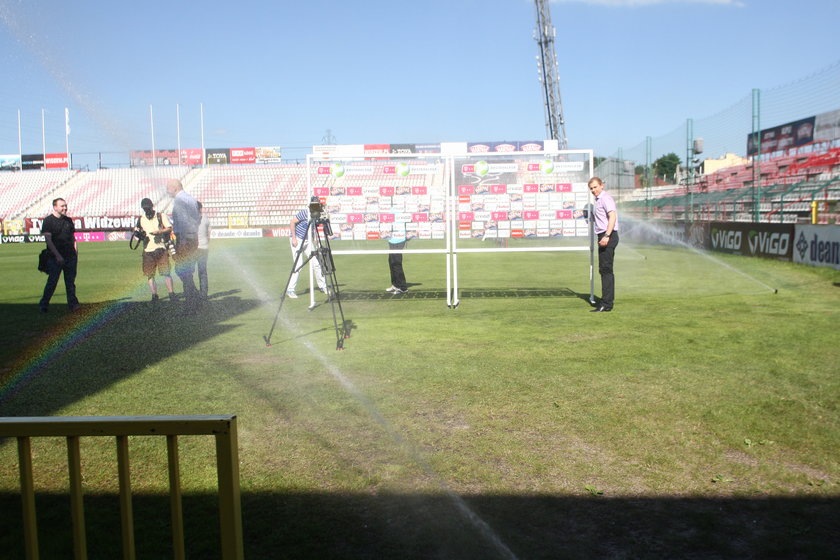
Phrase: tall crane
(555, 123)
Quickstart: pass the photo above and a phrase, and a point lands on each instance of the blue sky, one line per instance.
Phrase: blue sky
(279, 73)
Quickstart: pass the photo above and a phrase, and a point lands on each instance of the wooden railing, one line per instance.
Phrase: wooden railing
(223, 427)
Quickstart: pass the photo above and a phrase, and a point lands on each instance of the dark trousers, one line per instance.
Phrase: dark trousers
(54, 270)
(606, 255)
(395, 264)
(186, 246)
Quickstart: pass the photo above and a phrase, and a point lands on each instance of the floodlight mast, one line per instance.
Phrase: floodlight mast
(555, 124)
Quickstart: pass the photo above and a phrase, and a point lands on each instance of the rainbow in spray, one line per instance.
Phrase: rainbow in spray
(64, 335)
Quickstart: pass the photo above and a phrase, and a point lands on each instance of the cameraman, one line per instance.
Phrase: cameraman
(154, 229)
(301, 240)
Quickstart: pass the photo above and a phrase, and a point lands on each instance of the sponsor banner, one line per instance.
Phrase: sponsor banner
(84, 236)
(486, 147)
(167, 157)
(243, 155)
(817, 246)
(90, 223)
(22, 238)
(218, 156)
(377, 149)
(827, 126)
(272, 232)
(268, 154)
(339, 169)
(773, 241)
(531, 146)
(403, 148)
(58, 161)
(118, 235)
(14, 227)
(191, 156)
(782, 137)
(100, 223)
(238, 233)
(504, 147)
(9, 162)
(145, 158)
(37, 161)
(141, 158)
(32, 161)
(342, 150)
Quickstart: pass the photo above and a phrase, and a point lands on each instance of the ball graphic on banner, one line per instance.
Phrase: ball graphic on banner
(337, 169)
(547, 166)
(401, 169)
(482, 168)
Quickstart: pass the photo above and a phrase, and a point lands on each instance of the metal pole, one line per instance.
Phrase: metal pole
(203, 151)
(756, 129)
(152, 120)
(44, 138)
(648, 172)
(178, 128)
(689, 159)
(20, 146)
(67, 135)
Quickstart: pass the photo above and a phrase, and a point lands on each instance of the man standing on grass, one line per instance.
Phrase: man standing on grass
(203, 251)
(606, 227)
(396, 244)
(301, 240)
(185, 220)
(60, 235)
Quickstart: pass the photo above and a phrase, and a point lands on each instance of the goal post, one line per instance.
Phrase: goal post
(454, 202)
(522, 201)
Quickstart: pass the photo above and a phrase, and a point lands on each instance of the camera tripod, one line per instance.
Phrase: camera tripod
(320, 250)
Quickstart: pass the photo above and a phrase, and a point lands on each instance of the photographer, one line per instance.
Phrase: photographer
(301, 240)
(154, 229)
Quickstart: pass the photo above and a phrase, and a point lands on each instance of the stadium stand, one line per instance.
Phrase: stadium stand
(788, 186)
(21, 191)
(269, 195)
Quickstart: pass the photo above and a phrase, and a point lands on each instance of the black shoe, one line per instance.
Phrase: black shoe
(600, 308)
(42, 309)
(155, 298)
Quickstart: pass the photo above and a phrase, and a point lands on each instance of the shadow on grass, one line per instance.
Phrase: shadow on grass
(420, 526)
(61, 357)
(465, 293)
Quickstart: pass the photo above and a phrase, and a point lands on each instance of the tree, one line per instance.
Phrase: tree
(667, 166)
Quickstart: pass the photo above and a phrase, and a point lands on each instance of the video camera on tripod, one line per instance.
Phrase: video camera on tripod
(316, 211)
(319, 239)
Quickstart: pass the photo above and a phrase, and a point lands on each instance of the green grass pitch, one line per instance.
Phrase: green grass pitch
(698, 419)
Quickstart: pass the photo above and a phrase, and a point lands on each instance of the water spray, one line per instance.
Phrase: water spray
(698, 251)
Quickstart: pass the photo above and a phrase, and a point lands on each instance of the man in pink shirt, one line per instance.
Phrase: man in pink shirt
(606, 227)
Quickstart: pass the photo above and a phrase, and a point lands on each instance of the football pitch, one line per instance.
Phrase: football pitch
(698, 419)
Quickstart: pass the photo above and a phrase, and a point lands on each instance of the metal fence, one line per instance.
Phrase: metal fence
(222, 427)
(727, 131)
